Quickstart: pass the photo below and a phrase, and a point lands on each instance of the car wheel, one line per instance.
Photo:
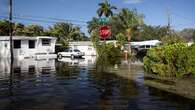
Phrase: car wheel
(72, 56)
(60, 56)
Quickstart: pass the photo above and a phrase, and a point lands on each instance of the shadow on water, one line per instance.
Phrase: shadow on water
(81, 84)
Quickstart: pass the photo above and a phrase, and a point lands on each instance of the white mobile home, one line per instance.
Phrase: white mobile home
(84, 46)
(27, 46)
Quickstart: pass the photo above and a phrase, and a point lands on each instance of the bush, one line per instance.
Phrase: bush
(192, 57)
(108, 55)
(109, 51)
(174, 60)
(121, 39)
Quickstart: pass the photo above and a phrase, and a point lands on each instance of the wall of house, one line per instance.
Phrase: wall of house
(4, 49)
(46, 49)
(89, 50)
(24, 51)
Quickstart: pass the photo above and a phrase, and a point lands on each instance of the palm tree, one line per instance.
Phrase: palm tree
(105, 9)
(130, 21)
(65, 32)
(93, 25)
(18, 29)
(4, 28)
(34, 30)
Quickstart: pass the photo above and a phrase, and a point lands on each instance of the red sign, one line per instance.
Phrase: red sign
(105, 32)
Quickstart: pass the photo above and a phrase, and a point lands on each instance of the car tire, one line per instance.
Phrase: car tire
(60, 56)
(72, 56)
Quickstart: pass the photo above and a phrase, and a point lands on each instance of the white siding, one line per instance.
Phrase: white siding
(25, 51)
(86, 47)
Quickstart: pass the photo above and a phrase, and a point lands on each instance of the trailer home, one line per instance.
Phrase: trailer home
(25, 47)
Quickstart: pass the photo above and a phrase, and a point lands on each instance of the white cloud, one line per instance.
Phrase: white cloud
(132, 1)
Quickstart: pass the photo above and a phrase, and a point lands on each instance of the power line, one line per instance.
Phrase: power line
(49, 18)
(183, 17)
(41, 20)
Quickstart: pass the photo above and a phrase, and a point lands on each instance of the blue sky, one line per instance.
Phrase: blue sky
(182, 11)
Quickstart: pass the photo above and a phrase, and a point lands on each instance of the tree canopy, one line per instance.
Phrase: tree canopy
(64, 32)
(105, 8)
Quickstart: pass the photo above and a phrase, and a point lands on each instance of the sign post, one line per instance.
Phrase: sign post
(103, 21)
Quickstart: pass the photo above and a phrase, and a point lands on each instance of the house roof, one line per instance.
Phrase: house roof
(149, 42)
(81, 43)
(3, 38)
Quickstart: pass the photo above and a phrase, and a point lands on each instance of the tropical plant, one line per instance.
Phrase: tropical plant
(105, 8)
(93, 25)
(4, 27)
(121, 39)
(152, 32)
(66, 32)
(175, 60)
(34, 30)
(187, 33)
(130, 22)
(18, 29)
(172, 39)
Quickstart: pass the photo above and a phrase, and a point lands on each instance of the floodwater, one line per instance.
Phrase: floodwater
(81, 84)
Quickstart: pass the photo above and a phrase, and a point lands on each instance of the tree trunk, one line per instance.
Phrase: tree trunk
(129, 41)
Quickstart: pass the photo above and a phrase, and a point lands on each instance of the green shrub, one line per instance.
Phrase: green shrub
(121, 39)
(108, 55)
(174, 60)
(192, 57)
(108, 50)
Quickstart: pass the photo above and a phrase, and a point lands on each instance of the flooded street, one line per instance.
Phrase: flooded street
(80, 84)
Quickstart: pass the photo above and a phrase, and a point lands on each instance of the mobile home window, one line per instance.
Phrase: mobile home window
(17, 44)
(46, 42)
(89, 48)
(31, 44)
(147, 46)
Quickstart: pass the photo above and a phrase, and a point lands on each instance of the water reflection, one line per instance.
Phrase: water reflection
(30, 66)
(86, 61)
(69, 84)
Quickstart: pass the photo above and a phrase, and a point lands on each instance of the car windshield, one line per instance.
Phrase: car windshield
(76, 50)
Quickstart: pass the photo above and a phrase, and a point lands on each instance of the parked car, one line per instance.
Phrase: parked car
(71, 53)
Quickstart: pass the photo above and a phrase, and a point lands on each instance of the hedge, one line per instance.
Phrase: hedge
(175, 60)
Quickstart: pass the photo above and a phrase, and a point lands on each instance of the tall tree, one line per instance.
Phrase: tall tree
(93, 25)
(34, 30)
(4, 27)
(193, 36)
(66, 32)
(187, 33)
(152, 32)
(18, 29)
(63, 30)
(105, 8)
(131, 20)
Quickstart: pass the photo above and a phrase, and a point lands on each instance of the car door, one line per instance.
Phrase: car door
(65, 53)
(70, 52)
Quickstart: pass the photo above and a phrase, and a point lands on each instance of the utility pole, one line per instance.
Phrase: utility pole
(11, 49)
(10, 30)
(168, 21)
